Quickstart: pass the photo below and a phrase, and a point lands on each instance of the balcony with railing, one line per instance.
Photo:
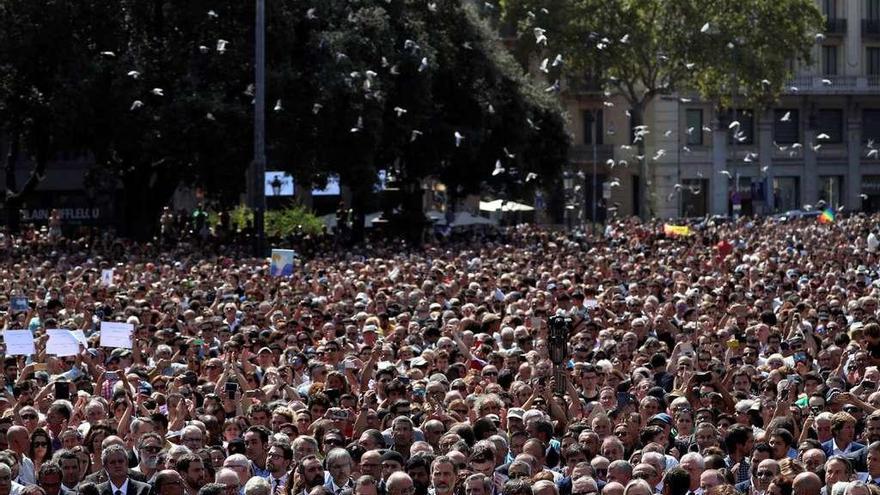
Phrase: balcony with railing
(871, 28)
(832, 85)
(835, 26)
(583, 153)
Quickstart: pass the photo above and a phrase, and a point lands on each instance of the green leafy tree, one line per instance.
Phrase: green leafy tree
(160, 93)
(640, 49)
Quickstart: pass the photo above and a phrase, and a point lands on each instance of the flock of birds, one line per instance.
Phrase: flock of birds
(640, 132)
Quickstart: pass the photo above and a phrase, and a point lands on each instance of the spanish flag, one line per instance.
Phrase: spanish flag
(827, 216)
(676, 230)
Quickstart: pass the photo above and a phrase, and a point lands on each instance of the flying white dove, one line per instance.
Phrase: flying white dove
(797, 146)
(158, 92)
(210, 116)
(508, 154)
(359, 125)
(458, 139)
(317, 108)
(557, 61)
(667, 133)
(399, 111)
(690, 130)
(685, 149)
(820, 37)
(221, 46)
(543, 67)
(553, 87)
(108, 54)
(499, 169)
(823, 136)
(423, 65)
(705, 28)
(540, 36)
(733, 124)
(133, 74)
(414, 135)
(817, 147)
(726, 172)
(872, 153)
(863, 196)
(212, 14)
(204, 49)
(786, 117)
(310, 14)
(826, 82)
(531, 176)
(765, 82)
(136, 104)
(625, 38)
(707, 128)
(608, 104)
(278, 106)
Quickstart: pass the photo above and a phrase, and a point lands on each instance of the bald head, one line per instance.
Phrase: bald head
(111, 440)
(806, 483)
(227, 476)
(171, 478)
(613, 488)
(18, 438)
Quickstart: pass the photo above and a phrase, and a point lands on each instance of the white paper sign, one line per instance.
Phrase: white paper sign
(107, 277)
(62, 343)
(19, 343)
(80, 336)
(115, 334)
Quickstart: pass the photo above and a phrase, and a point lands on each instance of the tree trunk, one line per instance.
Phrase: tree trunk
(14, 199)
(12, 203)
(143, 200)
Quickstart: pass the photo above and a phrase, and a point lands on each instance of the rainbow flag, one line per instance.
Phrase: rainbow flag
(827, 216)
(676, 230)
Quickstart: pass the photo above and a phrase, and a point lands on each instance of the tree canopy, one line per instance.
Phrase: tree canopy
(639, 49)
(161, 93)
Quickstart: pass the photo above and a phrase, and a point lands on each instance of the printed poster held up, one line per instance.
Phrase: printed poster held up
(19, 343)
(282, 262)
(116, 334)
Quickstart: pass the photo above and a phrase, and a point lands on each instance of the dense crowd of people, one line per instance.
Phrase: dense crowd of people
(742, 358)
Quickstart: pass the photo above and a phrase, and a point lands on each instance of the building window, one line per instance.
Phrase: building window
(830, 122)
(872, 60)
(745, 133)
(829, 189)
(694, 126)
(787, 131)
(588, 126)
(829, 60)
(829, 8)
(872, 10)
(871, 125)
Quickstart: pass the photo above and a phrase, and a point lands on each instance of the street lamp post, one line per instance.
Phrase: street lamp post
(568, 186)
(258, 166)
(593, 196)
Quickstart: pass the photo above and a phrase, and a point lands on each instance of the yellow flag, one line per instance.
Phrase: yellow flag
(673, 230)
